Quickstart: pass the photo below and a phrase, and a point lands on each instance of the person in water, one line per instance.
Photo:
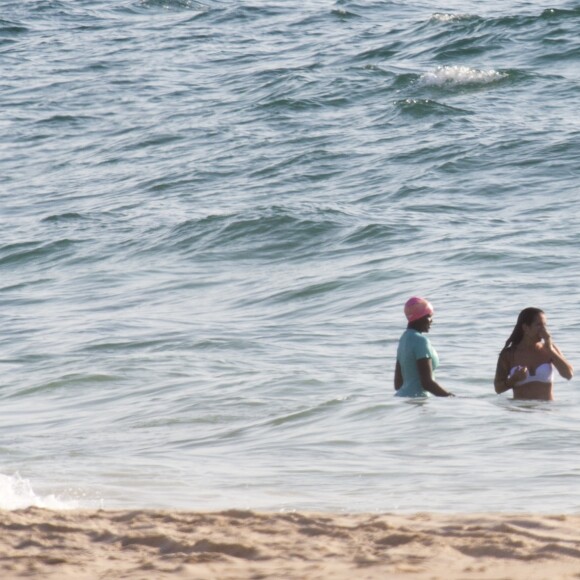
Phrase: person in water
(416, 358)
(528, 358)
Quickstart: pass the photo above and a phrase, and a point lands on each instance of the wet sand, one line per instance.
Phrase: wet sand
(236, 544)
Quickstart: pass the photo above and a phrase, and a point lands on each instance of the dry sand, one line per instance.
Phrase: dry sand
(235, 544)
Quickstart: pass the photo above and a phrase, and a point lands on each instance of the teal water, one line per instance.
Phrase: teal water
(212, 216)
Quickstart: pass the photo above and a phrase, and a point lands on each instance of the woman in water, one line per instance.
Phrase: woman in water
(416, 358)
(526, 362)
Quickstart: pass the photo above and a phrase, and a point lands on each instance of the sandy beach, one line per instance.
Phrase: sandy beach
(240, 544)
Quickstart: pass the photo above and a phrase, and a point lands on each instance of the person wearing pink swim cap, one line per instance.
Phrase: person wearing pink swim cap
(416, 357)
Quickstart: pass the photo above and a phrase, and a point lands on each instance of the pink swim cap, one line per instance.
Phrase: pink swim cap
(416, 308)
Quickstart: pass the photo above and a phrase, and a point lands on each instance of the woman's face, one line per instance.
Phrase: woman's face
(425, 323)
(537, 328)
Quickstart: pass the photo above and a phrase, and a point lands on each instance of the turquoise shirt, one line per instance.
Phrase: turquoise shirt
(412, 347)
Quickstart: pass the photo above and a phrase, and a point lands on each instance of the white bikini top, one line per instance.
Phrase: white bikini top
(543, 375)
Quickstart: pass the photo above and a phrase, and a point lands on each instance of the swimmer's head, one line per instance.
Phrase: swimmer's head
(527, 320)
(416, 308)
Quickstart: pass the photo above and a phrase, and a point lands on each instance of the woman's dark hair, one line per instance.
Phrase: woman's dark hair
(527, 317)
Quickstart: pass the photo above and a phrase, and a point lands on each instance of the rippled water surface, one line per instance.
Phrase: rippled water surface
(212, 214)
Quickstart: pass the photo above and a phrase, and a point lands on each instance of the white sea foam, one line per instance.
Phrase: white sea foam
(17, 493)
(460, 75)
(444, 17)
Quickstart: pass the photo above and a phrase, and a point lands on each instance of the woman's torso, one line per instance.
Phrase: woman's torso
(414, 346)
(539, 382)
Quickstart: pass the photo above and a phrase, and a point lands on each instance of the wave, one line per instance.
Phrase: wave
(512, 21)
(270, 232)
(175, 4)
(343, 14)
(424, 107)
(460, 75)
(35, 251)
(10, 29)
(560, 13)
(17, 493)
(446, 17)
(458, 36)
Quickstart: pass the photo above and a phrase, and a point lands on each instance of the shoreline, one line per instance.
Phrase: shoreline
(238, 544)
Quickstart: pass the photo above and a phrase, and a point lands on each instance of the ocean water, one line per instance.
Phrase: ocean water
(212, 215)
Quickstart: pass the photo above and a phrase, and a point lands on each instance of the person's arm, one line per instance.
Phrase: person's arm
(558, 360)
(502, 371)
(398, 377)
(425, 368)
(503, 380)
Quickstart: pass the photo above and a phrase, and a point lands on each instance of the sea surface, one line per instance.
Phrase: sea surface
(212, 213)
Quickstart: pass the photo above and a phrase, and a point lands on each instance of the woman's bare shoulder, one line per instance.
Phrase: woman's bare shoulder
(506, 356)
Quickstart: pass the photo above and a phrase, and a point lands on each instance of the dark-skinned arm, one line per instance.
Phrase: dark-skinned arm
(398, 377)
(425, 368)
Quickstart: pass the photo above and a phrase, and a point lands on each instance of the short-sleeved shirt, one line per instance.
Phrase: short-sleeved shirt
(414, 346)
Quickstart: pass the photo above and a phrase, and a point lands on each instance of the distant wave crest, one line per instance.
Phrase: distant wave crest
(460, 75)
(423, 107)
(445, 17)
